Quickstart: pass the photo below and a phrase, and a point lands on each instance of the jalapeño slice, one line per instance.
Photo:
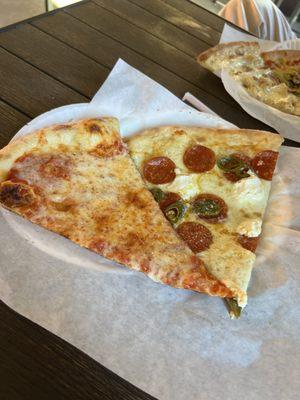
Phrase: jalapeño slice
(234, 309)
(229, 164)
(158, 194)
(242, 171)
(234, 165)
(175, 211)
(207, 208)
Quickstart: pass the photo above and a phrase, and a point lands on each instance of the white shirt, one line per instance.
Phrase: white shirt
(260, 17)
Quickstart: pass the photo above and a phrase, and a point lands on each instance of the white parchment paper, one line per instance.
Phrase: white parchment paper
(174, 344)
(287, 125)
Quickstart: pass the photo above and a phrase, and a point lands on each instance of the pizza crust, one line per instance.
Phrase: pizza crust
(149, 141)
(83, 135)
(232, 46)
(217, 57)
(285, 55)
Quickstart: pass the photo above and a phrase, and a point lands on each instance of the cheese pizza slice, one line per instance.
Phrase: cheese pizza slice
(78, 180)
(213, 186)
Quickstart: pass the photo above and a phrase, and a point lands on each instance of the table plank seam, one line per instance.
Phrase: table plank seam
(147, 32)
(88, 56)
(190, 5)
(183, 57)
(71, 47)
(199, 8)
(169, 22)
(15, 107)
(232, 104)
(165, 30)
(109, 66)
(116, 40)
(44, 72)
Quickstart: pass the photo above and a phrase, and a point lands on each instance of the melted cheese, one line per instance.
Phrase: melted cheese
(185, 185)
(250, 227)
(262, 86)
(238, 56)
(251, 194)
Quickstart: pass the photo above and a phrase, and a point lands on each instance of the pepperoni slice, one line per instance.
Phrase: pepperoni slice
(210, 207)
(249, 243)
(169, 199)
(159, 170)
(196, 235)
(263, 164)
(199, 158)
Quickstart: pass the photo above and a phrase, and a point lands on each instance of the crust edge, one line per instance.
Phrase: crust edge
(202, 57)
(69, 134)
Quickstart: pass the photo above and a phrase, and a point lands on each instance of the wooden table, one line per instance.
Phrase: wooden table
(63, 57)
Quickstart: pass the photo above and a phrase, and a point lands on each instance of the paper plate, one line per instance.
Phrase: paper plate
(128, 125)
(58, 246)
(286, 124)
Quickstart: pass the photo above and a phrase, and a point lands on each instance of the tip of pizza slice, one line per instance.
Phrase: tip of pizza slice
(219, 56)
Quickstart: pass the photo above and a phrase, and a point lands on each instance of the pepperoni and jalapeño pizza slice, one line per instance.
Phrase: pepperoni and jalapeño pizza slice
(270, 77)
(213, 186)
(78, 180)
(285, 66)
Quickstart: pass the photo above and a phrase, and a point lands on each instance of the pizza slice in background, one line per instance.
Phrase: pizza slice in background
(285, 65)
(271, 77)
(239, 56)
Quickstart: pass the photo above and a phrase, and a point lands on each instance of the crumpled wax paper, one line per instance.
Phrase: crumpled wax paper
(287, 125)
(174, 344)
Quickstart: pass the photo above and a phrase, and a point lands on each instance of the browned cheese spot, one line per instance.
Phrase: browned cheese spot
(15, 194)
